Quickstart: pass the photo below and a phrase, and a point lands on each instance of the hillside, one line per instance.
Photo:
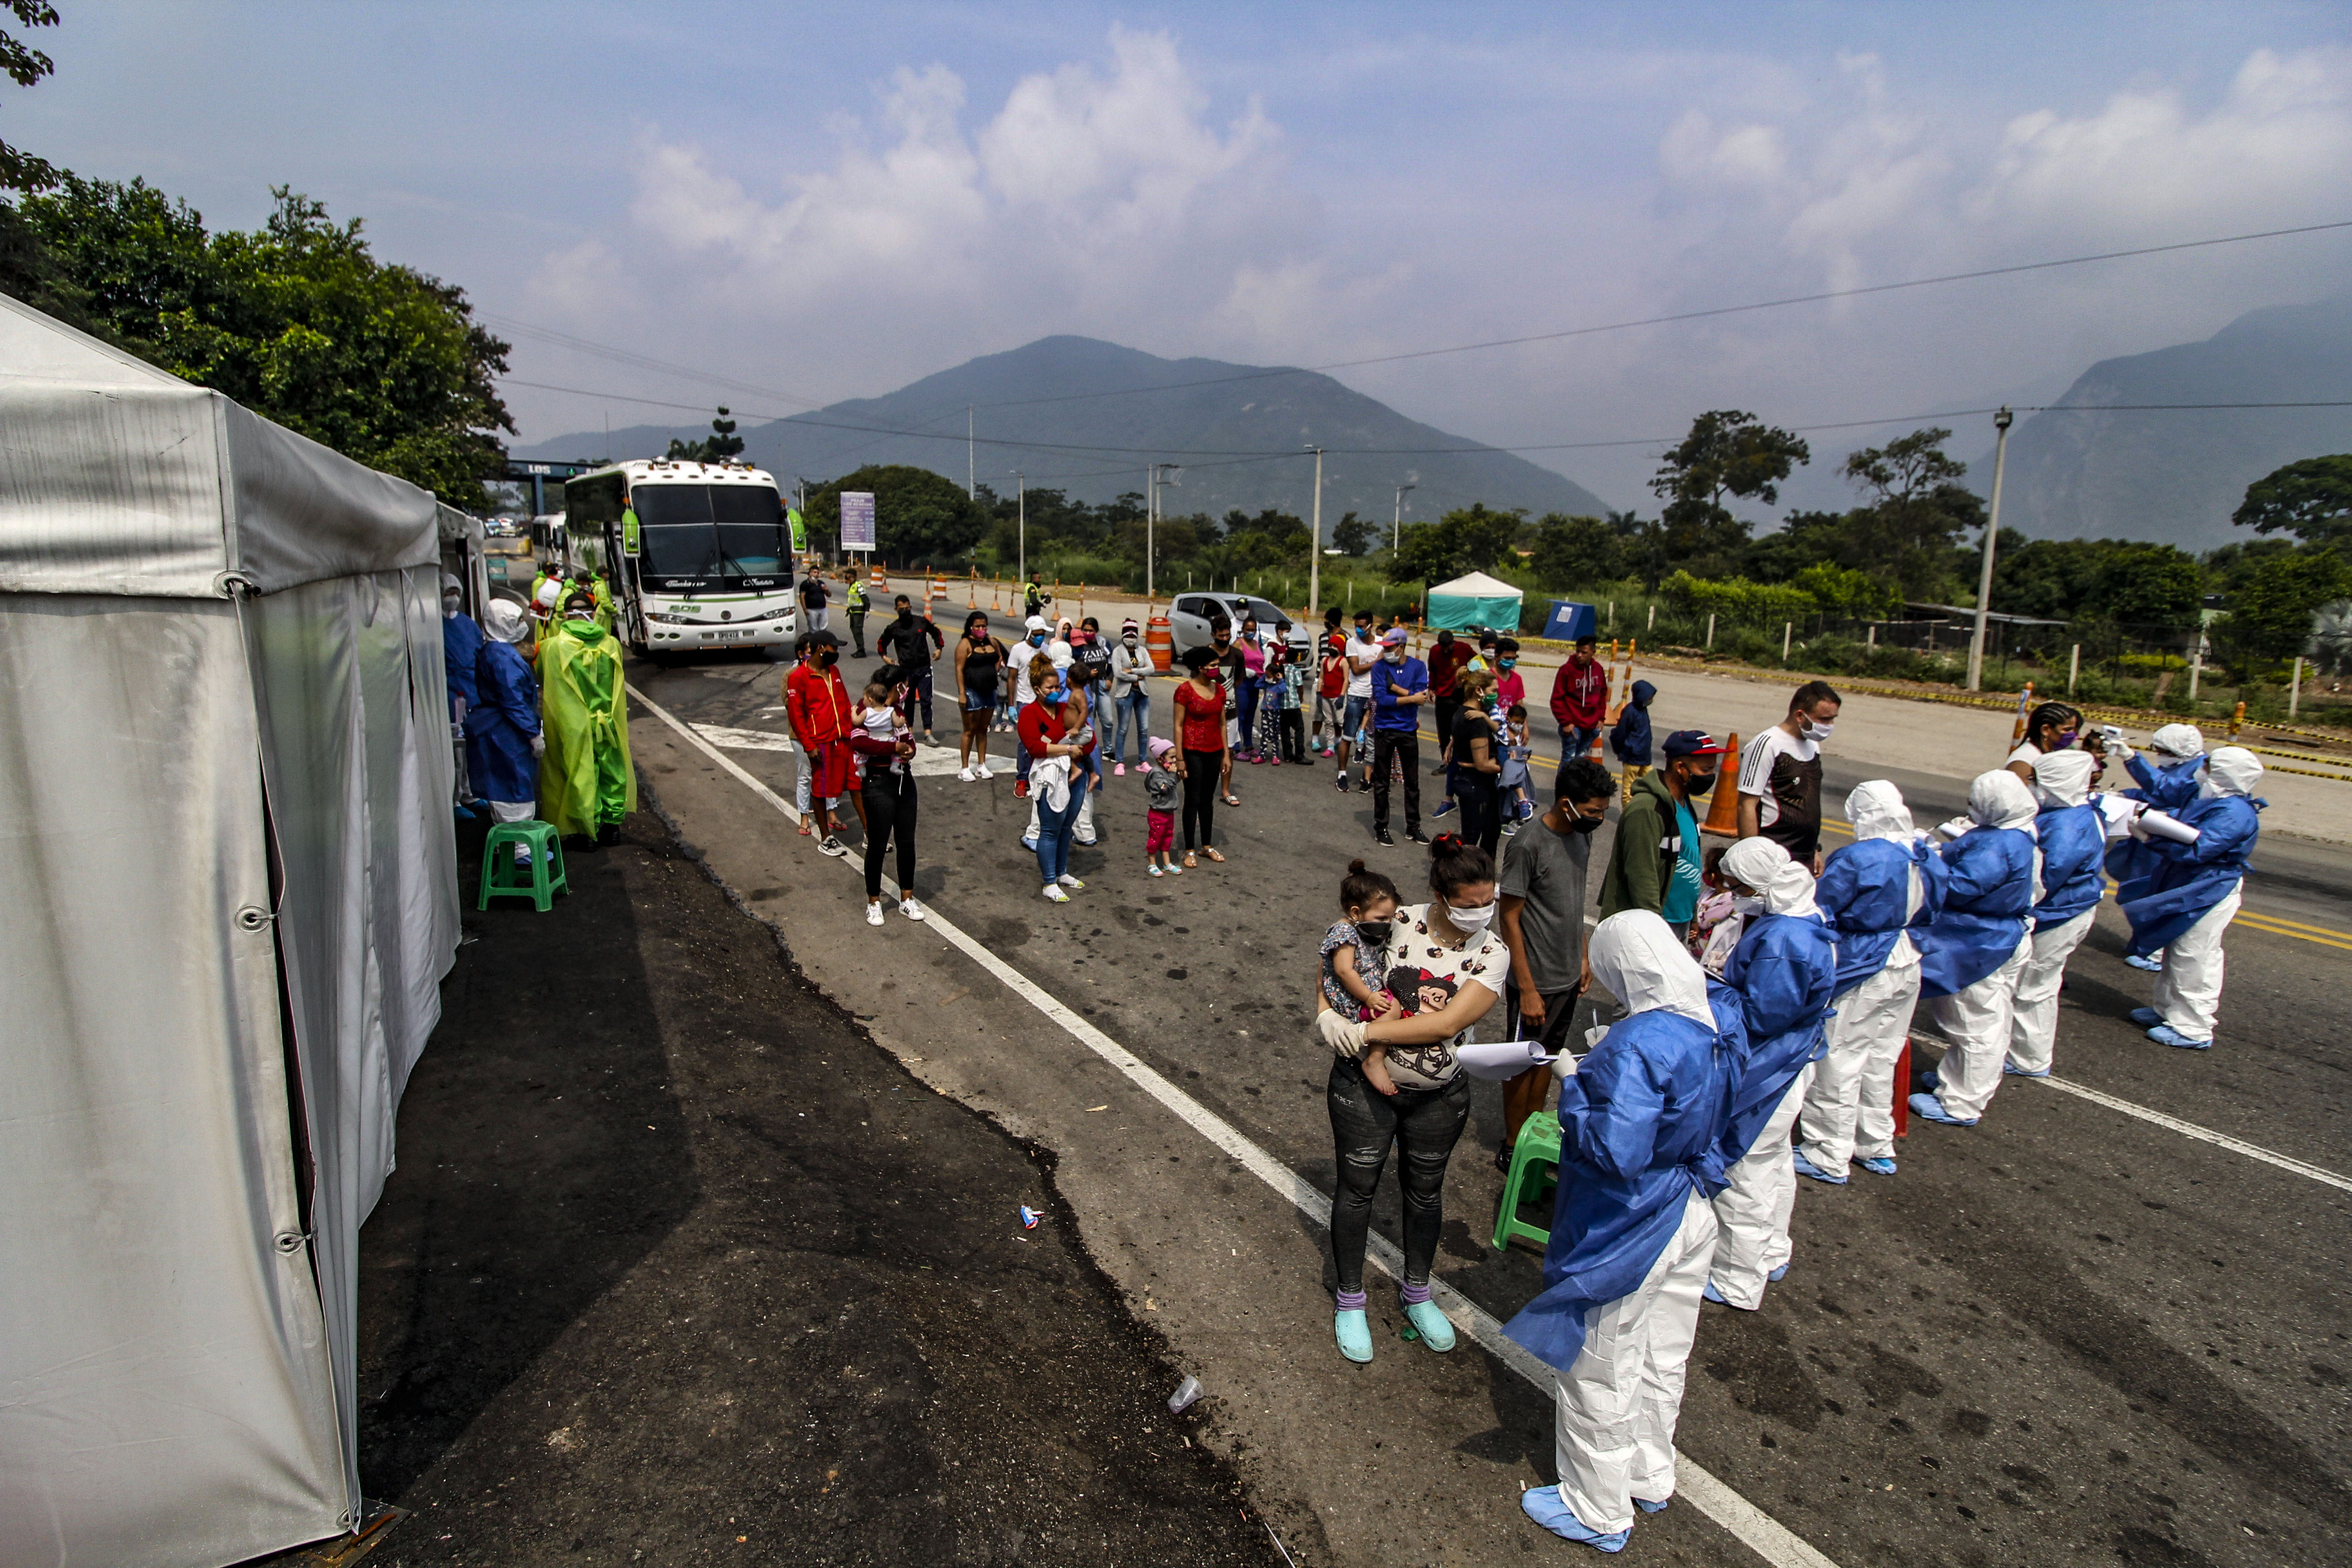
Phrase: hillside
(1068, 412)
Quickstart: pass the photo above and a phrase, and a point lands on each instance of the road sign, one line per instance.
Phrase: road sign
(858, 520)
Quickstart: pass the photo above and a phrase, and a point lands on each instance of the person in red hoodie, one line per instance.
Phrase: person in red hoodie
(1579, 700)
(816, 707)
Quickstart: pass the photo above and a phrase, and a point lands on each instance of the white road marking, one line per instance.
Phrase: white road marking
(931, 762)
(1758, 1531)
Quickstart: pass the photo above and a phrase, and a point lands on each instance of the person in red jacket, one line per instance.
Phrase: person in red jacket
(1579, 700)
(816, 707)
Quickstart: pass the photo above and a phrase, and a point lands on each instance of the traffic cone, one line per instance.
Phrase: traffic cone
(1722, 813)
(2024, 702)
(2237, 722)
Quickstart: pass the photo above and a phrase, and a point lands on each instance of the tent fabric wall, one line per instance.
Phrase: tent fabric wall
(1472, 600)
(221, 647)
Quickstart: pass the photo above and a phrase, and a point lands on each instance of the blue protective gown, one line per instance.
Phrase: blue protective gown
(2074, 840)
(461, 645)
(1636, 1122)
(2166, 788)
(2181, 881)
(1988, 892)
(499, 727)
(1785, 972)
(1864, 893)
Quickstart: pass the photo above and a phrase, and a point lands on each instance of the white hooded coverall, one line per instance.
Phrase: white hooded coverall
(2065, 778)
(1849, 1111)
(1976, 1018)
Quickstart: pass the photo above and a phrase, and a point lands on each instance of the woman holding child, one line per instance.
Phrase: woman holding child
(1399, 985)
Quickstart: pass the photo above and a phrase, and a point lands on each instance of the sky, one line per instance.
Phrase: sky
(796, 205)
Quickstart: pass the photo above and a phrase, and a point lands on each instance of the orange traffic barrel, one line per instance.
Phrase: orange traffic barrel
(1723, 814)
(1162, 645)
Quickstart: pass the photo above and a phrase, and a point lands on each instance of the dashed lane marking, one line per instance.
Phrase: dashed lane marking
(1755, 1528)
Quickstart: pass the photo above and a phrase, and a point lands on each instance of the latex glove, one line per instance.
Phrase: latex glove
(1346, 1038)
(539, 745)
(2136, 828)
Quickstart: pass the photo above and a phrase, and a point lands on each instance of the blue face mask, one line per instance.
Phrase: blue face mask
(1510, 661)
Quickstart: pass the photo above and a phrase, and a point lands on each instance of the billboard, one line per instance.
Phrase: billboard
(858, 520)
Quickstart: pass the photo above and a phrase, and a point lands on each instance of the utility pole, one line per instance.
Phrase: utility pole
(2001, 423)
(1159, 475)
(1022, 480)
(1314, 546)
(1396, 524)
(971, 473)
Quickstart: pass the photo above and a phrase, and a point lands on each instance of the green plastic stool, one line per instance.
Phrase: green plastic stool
(1538, 1145)
(500, 878)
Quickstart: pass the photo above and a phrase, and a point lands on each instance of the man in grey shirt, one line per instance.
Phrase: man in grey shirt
(1542, 893)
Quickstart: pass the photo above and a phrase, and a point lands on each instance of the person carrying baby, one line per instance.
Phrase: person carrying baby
(1352, 981)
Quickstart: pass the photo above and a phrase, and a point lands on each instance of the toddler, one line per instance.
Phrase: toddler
(1351, 955)
(1519, 802)
(1715, 928)
(1159, 789)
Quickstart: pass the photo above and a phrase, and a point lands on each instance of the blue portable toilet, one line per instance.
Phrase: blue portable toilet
(1569, 621)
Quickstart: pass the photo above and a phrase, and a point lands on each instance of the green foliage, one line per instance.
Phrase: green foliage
(918, 516)
(1727, 453)
(2270, 617)
(299, 322)
(1352, 535)
(1571, 553)
(721, 446)
(2311, 499)
(1472, 539)
(2118, 581)
(25, 65)
(1737, 600)
(1842, 591)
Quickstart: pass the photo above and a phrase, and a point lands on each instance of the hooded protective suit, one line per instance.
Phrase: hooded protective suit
(1871, 891)
(2072, 838)
(1785, 971)
(1631, 1233)
(2168, 774)
(461, 640)
(585, 781)
(1991, 875)
(2176, 884)
(500, 726)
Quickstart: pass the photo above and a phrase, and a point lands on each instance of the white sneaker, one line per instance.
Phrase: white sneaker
(981, 771)
(874, 914)
(911, 910)
(833, 846)
(967, 775)
(1069, 881)
(1054, 895)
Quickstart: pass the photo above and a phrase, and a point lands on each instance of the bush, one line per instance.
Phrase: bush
(1737, 600)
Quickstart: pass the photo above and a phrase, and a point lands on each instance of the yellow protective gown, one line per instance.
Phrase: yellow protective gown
(585, 780)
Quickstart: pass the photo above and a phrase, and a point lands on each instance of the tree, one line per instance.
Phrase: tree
(1468, 540)
(1572, 550)
(2120, 582)
(2311, 499)
(721, 446)
(299, 322)
(918, 516)
(1919, 512)
(2270, 618)
(1351, 535)
(25, 65)
(1726, 454)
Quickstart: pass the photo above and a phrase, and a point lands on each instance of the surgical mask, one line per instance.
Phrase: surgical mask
(1394, 655)
(1375, 932)
(1698, 784)
(449, 608)
(2068, 740)
(1510, 661)
(1473, 920)
(1817, 731)
(1128, 639)
(1036, 640)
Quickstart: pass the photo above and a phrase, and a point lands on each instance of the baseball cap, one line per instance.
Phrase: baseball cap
(1692, 743)
(1395, 637)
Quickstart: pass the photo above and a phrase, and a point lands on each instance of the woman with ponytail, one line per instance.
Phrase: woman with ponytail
(1445, 965)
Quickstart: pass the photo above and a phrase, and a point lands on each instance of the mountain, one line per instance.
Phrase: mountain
(1088, 417)
(2176, 476)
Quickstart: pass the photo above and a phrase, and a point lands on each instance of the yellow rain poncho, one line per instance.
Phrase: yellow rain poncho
(585, 781)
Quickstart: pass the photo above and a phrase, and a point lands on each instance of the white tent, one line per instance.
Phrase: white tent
(1475, 602)
(227, 864)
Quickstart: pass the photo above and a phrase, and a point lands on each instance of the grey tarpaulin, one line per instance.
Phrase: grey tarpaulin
(226, 856)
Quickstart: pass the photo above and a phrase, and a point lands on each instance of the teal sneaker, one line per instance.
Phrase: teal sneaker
(1436, 1331)
(1355, 1335)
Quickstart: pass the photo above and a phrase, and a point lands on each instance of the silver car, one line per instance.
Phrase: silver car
(1189, 618)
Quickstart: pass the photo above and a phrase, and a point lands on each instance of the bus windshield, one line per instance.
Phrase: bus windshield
(696, 538)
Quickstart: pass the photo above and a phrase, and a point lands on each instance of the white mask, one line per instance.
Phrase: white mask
(1817, 733)
(1472, 919)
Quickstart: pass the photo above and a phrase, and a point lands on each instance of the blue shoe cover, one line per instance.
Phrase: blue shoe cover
(2166, 1034)
(1436, 1332)
(1355, 1335)
(1932, 1079)
(2141, 960)
(2147, 1017)
(1549, 1508)
(1807, 1168)
(1928, 1106)
(1778, 1274)
(1878, 1166)
(1712, 1294)
(1646, 1506)
(2010, 1069)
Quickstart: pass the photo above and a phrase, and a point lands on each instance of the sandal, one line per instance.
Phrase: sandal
(1232, 800)
(1191, 862)
(1214, 855)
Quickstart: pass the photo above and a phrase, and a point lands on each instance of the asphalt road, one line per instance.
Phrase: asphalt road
(2066, 1333)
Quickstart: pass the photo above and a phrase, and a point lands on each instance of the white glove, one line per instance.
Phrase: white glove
(539, 745)
(2136, 828)
(1346, 1038)
(1955, 828)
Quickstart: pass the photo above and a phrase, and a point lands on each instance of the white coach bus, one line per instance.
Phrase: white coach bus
(699, 553)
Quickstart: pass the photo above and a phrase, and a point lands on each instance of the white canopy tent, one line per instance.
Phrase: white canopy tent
(230, 879)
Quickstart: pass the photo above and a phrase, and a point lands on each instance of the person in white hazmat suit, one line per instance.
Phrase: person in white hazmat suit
(2190, 896)
(2072, 838)
(1971, 958)
(2166, 779)
(1874, 892)
(1785, 972)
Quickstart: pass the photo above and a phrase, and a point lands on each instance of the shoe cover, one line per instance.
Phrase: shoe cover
(1549, 1508)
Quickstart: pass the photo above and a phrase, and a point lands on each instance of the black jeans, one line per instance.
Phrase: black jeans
(1482, 808)
(1402, 745)
(1425, 1124)
(1294, 735)
(858, 631)
(1201, 769)
(1449, 709)
(919, 685)
(890, 809)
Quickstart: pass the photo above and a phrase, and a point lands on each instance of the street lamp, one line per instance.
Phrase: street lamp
(1157, 475)
(1396, 524)
(2001, 423)
(1021, 482)
(1315, 542)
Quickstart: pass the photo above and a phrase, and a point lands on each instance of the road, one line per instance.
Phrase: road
(2072, 1329)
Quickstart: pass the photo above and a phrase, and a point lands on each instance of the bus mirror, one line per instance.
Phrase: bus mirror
(629, 531)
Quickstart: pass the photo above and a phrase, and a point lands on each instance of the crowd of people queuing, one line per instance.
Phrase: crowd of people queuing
(1759, 992)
